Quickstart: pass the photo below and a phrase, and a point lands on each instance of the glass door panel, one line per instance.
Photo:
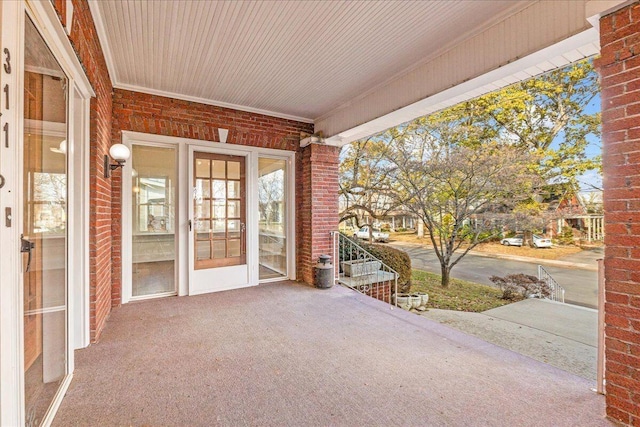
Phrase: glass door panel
(153, 204)
(272, 223)
(44, 232)
(219, 210)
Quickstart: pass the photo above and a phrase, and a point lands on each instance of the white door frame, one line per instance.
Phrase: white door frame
(238, 276)
(44, 17)
(186, 147)
(290, 214)
(11, 306)
(127, 226)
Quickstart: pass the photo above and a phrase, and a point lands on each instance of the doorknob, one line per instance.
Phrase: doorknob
(26, 247)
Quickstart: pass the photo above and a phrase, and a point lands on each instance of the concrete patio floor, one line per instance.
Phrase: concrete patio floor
(286, 354)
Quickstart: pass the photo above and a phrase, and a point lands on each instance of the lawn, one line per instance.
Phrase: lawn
(459, 296)
(555, 252)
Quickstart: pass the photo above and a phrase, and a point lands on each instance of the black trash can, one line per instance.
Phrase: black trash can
(324, 273)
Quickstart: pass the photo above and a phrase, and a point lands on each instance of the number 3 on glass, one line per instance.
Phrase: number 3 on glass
(7, 64)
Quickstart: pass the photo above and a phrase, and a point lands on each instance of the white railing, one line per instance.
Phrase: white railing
(557, 291)
(356, 268)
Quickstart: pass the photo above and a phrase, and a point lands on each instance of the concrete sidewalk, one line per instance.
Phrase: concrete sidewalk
(561, 335)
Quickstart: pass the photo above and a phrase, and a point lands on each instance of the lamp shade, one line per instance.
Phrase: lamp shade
(119, 152)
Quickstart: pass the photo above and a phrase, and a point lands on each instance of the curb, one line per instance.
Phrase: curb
(557, 263)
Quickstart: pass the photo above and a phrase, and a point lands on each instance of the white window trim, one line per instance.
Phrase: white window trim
(12, 411)
(127, 226)
(185, 147)
(290, 215)
(11, 308)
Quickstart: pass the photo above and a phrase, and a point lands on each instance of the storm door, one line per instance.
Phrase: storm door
(44, 226)
(218, 222)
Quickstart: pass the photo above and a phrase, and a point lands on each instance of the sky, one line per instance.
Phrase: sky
(590, 179)
(593, 178)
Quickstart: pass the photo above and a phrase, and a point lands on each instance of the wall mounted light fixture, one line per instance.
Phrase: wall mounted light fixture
(118, 152)
(61, 149)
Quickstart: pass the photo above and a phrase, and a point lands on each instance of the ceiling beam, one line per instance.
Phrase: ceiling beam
(537, 39)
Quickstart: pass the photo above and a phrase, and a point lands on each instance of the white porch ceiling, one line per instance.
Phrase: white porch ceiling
(339, 64)
(291, 58)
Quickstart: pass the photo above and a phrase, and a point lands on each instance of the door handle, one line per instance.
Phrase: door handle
(189, 225)
(26, 247)
(243, 246)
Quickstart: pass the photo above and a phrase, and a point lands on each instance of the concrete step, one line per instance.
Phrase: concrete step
(367, 279)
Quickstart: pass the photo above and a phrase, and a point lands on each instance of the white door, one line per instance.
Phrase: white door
(44, 225)
(218, 222)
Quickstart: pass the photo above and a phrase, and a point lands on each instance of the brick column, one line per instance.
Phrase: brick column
(317, 190)
(619, 67)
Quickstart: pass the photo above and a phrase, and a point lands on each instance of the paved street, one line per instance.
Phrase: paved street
(580, 285)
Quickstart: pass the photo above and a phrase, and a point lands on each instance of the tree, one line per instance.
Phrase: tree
(365, 190)
(547, 115)
(458, 185)
(512, 141)
(270, 197)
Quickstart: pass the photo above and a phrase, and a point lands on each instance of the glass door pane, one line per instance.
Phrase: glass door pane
(219, 212)
(44, 232)
(272, 225)
(153, 204)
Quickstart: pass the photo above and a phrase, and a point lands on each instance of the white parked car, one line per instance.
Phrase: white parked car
(517, 240)
(541, 242)
(512, 241)
(378, 236)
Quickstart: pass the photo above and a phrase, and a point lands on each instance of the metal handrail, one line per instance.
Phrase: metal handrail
(557, 291)
(367, 274)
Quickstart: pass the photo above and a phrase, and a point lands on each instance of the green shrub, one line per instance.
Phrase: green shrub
(396, 259)
(565, 237)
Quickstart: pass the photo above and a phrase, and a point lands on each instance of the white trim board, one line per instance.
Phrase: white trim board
(104, 42)
(213, 102)
(577, 47)
(46, 19)
(185, 148)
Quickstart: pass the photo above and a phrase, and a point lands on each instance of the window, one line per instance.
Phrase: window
(153, 220)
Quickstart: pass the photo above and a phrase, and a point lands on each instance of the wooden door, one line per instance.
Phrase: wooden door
(219, 206)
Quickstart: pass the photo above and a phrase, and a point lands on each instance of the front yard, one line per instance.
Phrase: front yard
(459, 296)
(553, 253)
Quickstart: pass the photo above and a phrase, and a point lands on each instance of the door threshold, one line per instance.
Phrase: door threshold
(154, 296)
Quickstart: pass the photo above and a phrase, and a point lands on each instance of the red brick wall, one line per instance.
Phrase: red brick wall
(116, 238)
(380, 292)
(115, 110)
(85, 42)
(317, 182)
(619, 67)
(139, 112)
